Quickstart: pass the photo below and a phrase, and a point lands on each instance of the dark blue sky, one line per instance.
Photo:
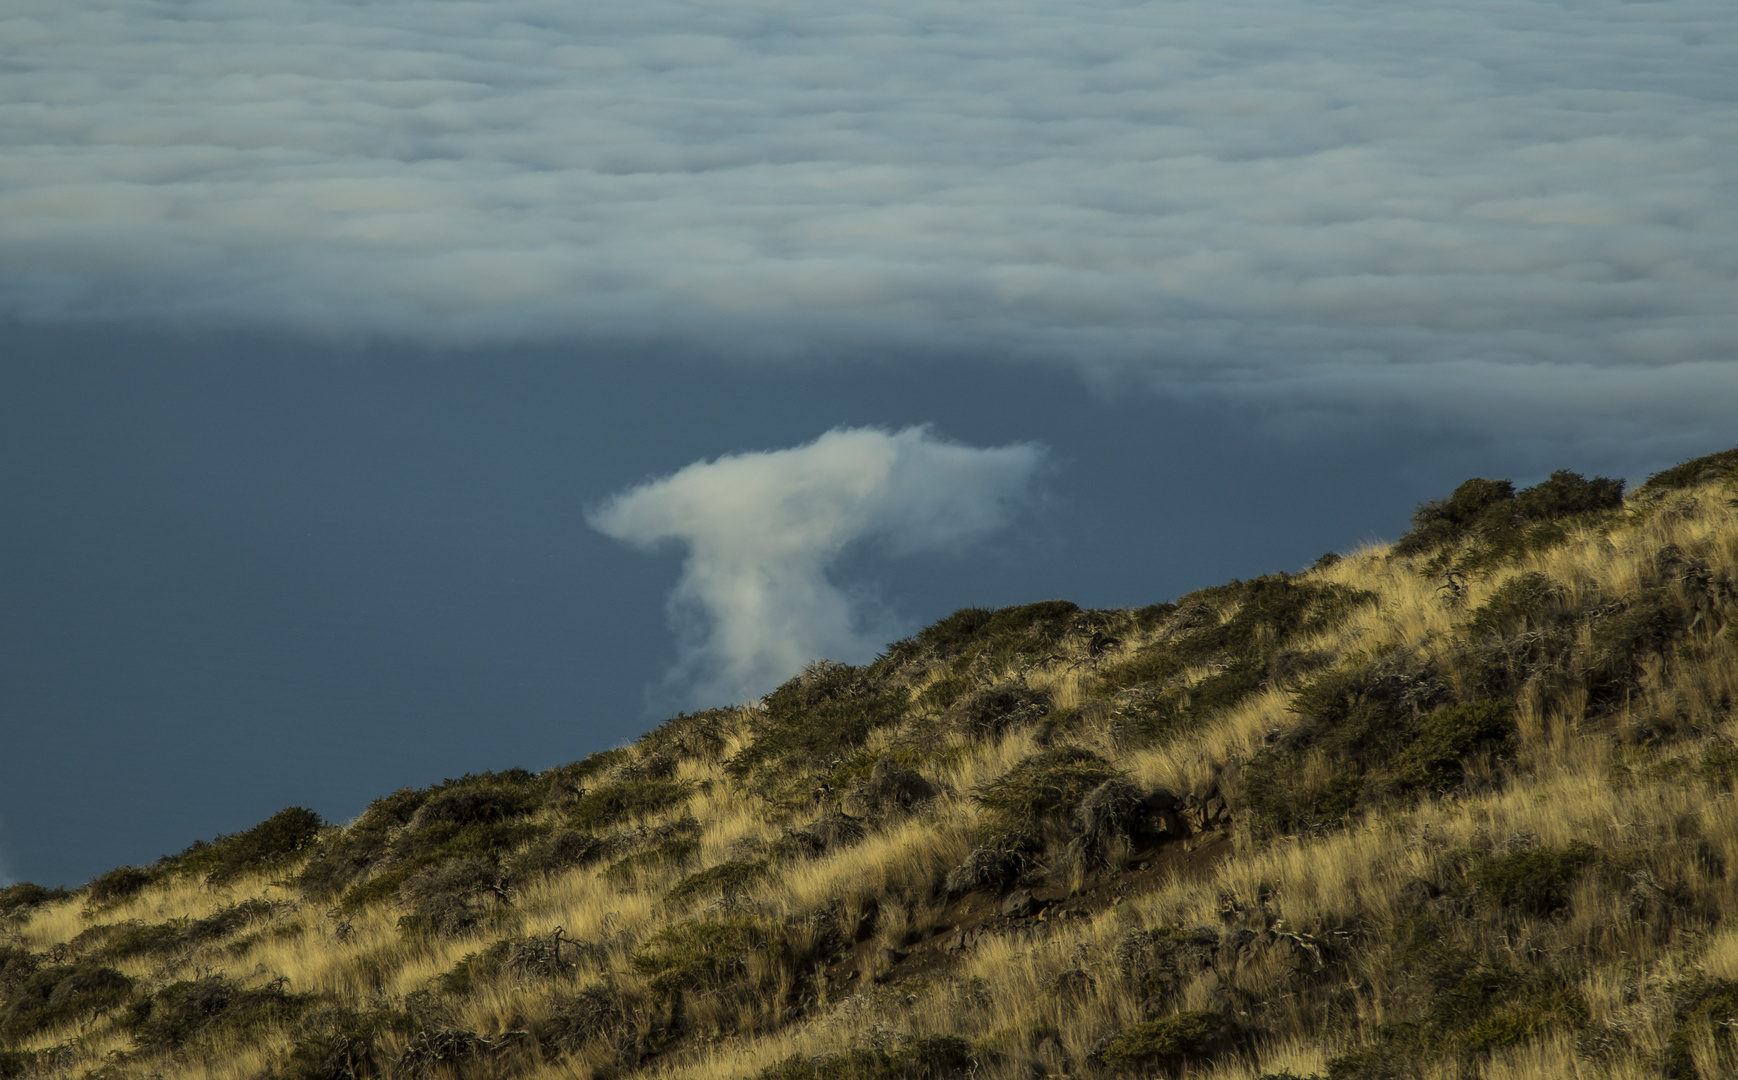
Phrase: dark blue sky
(239, 574)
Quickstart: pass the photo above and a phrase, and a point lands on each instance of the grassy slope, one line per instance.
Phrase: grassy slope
(1429, 827)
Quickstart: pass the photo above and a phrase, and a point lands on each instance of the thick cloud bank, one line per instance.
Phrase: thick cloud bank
(755, 602)
(1216, 189)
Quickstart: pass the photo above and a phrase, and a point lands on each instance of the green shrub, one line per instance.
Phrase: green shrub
(16, 966)
(1536, 881)
(1172, 1042)
(1705, 1011)
(817, 718)
(1435, 761)
(1046, 785)
(1530, 601)
(24, 896)
(725, 879)
(1501, 524)
(1368, 733)
(976, 638)
(703, 954)
(410, 830)
(616, 804)
(272, 843)
(184, 1010)
(675, 851)
(118, 884)
(934, 1057)
(338, 1044)
(57, 995)
(1249, 647)
(1702, 470)
(561, 850)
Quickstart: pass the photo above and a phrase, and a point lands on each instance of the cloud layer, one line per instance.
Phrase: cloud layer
(762, 529)
(1213, 189)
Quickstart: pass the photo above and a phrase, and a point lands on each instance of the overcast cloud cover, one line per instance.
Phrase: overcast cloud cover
(755, 601)
(1522, 194)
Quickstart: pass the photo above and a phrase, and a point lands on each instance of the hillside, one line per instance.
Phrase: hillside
(1460, 807)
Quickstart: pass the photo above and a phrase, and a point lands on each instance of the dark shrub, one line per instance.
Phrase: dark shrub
(16, 966)
(117, 884)
(816, 718)
(1535, 881)
(935, 1057)
(336, 1044)
(1047, 785)
(561, 850)
(183, 1010)
(58, 995)
(1443, 521)
(725, 879)
(1704, 1013)
(1696, 471)
(894, 788)
(818, 837)
(451, 897)
(273, 842)
(474, 816)
(1114, 811)
(1529, 601)
(1356, 724)
(475, 806)
(990, 712)
(24, 896)
(702, 954)
(1172, 1042)
(675, 851)
(1435, 761)
(615, 804)
(699, 736)
(1501, 523)
(1566, 494)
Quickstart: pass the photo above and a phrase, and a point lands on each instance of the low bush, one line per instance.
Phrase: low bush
(26, 896)
(817, 718)
(1702, 470)
(1436, 759)
(60, 994)
(410, 830)
(988, 713)
(118, 884)
(577, 1020)
(725, 879)
(1369, 733)
(452, 897)
(1045, 786)
(1499, 523)
(1534, 881)
(616, 804)
(934, 1057)
(1171, 1043)
(703, 954)
(564, 849)
(182, 1011)
(1702, 1017)
(274, 842)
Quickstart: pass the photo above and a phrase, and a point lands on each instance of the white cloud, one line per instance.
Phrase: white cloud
(762, 529)
(1205, 189)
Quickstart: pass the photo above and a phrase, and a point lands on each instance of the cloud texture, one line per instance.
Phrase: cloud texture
(1218, 189)
(762, 529)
